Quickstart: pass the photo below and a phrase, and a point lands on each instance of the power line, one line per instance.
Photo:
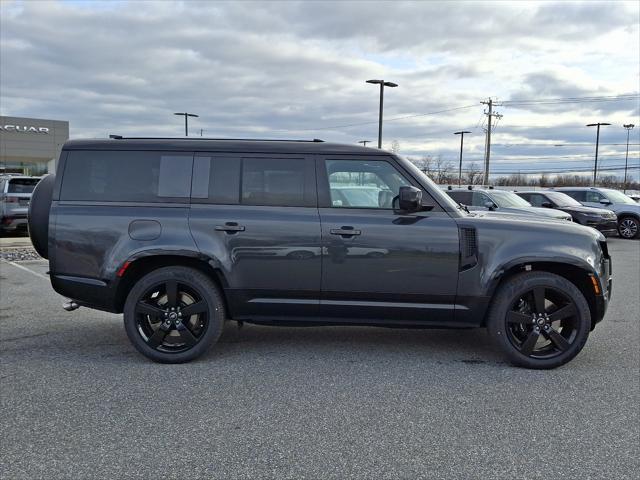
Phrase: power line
(555, 101)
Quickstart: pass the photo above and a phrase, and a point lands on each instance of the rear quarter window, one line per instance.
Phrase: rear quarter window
(121, 176)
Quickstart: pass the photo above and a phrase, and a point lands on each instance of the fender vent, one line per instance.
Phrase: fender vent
(468, 248)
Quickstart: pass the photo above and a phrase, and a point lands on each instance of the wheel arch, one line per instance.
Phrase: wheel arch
(138, 267)
(578, 275)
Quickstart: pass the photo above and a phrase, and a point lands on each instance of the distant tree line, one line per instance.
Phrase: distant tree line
(443, 172)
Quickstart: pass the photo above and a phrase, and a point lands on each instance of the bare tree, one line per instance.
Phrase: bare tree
(473, 175)
(395, 147)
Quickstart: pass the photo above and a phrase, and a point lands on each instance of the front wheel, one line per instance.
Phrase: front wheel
(628, 227)
(540, 320)
(174, 314)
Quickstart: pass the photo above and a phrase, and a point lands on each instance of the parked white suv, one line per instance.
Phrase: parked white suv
(15, 195)
(626, 209)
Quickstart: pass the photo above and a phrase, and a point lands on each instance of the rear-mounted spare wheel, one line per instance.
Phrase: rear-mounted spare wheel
(39, 215)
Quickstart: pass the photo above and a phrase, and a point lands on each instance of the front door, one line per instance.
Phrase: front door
(256, 217)
(378, 264)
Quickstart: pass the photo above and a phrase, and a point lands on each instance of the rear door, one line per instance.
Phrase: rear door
(256, 216)
(378, 264)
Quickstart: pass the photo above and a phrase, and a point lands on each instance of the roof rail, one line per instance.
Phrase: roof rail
(120, 137)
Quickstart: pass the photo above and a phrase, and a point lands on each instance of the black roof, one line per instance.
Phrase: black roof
(220, 145)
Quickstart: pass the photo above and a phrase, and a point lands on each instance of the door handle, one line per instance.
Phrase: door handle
(345, 231)
(230, 227)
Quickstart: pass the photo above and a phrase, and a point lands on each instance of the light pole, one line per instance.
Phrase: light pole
(382, 84)
(364, 142)
(595, 165)
(186, 121)
(461, 133)
(628, 127)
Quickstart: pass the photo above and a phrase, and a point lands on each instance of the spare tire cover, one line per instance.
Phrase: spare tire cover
(39, 215)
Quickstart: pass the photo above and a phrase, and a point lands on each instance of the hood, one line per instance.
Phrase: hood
(587, 210)
(543, 212)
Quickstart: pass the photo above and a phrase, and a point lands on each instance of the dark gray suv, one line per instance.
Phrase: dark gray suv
(181, 235)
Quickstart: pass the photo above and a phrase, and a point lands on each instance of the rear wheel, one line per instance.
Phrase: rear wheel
(628, 227)
(539, 319)
(174, 314)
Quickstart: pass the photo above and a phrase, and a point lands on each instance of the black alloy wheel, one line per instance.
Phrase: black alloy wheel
(539, 319)
(542, 323)
(174, 314)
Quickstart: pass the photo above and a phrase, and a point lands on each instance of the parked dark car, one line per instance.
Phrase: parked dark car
(627, 211)
(15, 194)
(501, 201)
(599, 218)
(181, 235)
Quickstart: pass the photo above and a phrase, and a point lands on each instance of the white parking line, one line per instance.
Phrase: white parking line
(26, 269)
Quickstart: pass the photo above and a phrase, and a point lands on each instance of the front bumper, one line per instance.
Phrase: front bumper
(608, 226)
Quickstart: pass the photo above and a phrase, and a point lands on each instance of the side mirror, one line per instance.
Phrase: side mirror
(547, 205)
(490, 205)
(410, 199)
(604, 201)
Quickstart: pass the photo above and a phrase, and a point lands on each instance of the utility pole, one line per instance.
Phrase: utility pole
(487, 154)
(460, 167)
(186, 121)
(364, 142)
(595, 165)
(628, 127)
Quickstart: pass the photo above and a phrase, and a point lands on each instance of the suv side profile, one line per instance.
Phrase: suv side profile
(181, 235)
(627, 211)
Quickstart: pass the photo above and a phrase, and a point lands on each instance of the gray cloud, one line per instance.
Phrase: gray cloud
(285, 69)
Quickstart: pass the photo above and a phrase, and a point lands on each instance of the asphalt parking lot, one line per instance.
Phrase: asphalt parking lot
(78, 402)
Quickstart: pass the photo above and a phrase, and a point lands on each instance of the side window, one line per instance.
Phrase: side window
(479, 199)
(363, 183)
(461, 197)
(536, 199)
(287, 182)
(216, 180)
(126, 176)
(576, 195)
(592, 196)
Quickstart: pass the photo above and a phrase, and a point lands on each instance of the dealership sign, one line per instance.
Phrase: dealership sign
(24, 129)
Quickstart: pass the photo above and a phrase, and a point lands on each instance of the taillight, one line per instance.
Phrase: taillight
(12, 200)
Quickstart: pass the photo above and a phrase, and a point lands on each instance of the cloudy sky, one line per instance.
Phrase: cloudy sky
(298, 70)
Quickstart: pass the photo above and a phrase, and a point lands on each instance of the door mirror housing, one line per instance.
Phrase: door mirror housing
(410, 199)
(490, 205)
(604, 201)
(547, 204)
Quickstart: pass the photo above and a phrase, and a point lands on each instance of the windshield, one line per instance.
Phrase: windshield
(562, 199)
(508, 199)
(617, 197)
(22, 185)
(442, 198)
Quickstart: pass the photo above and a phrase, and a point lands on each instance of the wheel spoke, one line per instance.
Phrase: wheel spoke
(530, 342)
(186, 335)
(144, 308)
(198, 307)
(558, 340)
(158, 337)
(564, 312)
(517, 317)
(172, 293)
(538, 298)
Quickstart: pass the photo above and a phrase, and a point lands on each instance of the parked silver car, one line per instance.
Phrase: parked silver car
(15, 194)
(502, 201)
(625, 208)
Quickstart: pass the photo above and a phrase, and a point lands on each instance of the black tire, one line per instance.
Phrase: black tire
(174, 340)
(628, 227)
(539, 335)
(38, 216)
